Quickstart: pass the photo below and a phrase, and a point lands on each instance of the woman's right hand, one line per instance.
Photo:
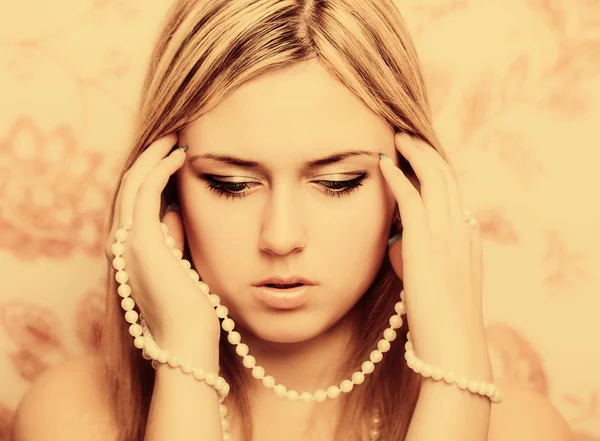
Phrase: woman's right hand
(177, 312)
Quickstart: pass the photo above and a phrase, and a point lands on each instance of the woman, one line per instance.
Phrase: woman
(309, 147)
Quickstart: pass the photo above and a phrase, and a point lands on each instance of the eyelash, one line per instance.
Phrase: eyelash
(233, 189)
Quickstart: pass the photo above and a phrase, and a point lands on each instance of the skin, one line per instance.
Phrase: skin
(286, 223)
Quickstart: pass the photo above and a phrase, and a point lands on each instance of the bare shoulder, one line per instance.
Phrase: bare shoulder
(526, 415)
(67, 402)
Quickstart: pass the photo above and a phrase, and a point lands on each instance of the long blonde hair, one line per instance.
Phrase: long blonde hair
(207, 49)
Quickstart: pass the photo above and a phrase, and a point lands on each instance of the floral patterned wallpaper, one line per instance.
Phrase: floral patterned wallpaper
(515, 86)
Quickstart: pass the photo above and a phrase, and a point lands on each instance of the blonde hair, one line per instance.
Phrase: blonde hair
(207, 49)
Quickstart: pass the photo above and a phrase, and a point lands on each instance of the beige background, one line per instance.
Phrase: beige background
(516, 92)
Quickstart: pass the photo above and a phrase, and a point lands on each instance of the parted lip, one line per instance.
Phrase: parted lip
(285, 280)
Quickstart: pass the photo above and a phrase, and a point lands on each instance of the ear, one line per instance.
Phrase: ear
(172, 219)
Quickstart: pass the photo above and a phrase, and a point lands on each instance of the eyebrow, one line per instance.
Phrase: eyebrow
(315, 163)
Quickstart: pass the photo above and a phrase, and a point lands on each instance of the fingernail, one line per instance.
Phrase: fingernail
(184, 148)
(394, 239)
(172, 207)
(383, 155)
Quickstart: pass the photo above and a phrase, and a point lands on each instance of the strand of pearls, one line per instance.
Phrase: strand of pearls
(144, 340)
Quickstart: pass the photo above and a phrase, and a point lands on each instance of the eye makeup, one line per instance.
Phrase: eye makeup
(240, 189)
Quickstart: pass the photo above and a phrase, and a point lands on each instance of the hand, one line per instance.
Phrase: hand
(439, 255)
(173, 305)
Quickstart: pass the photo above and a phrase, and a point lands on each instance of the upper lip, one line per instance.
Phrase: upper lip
(287, 280)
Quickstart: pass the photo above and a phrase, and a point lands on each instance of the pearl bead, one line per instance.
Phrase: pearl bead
(249, 361)
(221, 311)
(292, 395)
(211, 378)
(333, 391)
(473, 386)
(118, 263)
(127, 304)
(228, 325)
(135, 330)
(173, 361)
(400, 308)
(214, 300)
(389, 334)
(224, 424)
(117, 249)
(279, 390)
(226, 436)
(482, 389)
(346, 386)
(121, 276)
(418, 365)
(203, 287)
(462, 383)
(368, 367)
(131, 316)
(258, 372)
(437, 374)
(402, 296)
(242, 349)
(220, 384)
(165, 228)
(177, 253)
(449, 377)
(358, 378)
(170, 241)
(163, 356)
(124, 290)
(199, 374)
(223, 410)
(395, 321)
(194, 275)
(376, 421)
(306, 397)
(374, 434)
(408, 346)
(426, 370)
(268, 382)
(121, 235)
(489, 390)
(186, 264)
(138, 342)
(383, 345)
(376, 356)
(145, 355)
(154, 364)
(320, 395)
(234, 337)
(186, 368)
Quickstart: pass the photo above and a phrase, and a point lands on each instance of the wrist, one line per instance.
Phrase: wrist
(466, 356)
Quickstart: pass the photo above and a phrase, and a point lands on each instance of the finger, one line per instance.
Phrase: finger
(433, 182)
(147, 203)
(455, 204)
(145, 163)
(410, 204)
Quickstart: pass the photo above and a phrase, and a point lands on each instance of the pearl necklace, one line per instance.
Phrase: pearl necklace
(144, 340)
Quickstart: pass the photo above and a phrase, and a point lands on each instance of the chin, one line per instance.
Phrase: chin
(293, 326)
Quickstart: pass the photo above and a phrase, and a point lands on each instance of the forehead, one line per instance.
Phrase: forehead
(301, 112)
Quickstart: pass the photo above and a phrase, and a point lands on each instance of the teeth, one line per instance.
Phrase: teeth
(279, 286)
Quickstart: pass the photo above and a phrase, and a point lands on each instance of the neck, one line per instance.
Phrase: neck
(304, 366)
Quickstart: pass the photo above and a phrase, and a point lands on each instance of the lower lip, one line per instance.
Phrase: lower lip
(279, 298)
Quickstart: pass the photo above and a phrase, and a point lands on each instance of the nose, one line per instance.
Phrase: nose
(283, 228)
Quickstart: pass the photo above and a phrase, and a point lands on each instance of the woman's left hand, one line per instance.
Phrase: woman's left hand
(438, 257)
